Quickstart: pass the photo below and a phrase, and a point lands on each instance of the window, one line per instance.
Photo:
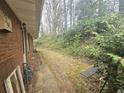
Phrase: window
(14, 83)
(5, 23)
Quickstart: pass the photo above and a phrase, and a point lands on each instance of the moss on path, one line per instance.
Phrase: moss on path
(65, 69)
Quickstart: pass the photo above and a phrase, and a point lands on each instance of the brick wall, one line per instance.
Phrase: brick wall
(30, 53)
(11, 46)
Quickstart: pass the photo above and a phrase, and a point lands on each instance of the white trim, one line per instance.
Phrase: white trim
(8, 86)
(17, 83)
(24, 45)
(21, 80)
(16, 73)
(27, 42)
(24, 58)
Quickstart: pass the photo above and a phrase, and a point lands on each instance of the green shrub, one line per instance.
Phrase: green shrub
(113, 44)
(91, 51)
(82, 39)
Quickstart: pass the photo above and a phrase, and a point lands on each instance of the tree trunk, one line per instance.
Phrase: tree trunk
(121, 6)
(100, 8)
(71, 13)
(65, 15)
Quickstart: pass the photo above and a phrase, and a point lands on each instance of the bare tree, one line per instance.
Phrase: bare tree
(65, 14)
(121, 6)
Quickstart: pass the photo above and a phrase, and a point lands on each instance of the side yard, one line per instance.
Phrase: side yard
(67, 72)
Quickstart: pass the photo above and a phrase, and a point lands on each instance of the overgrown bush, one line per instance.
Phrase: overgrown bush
(112, 44)
(91, 51)
(111, 68)
(105, 32)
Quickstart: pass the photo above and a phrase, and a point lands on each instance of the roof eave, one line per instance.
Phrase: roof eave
(28, 12)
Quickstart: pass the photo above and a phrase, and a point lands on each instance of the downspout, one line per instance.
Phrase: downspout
(26, 67)
(25, 56)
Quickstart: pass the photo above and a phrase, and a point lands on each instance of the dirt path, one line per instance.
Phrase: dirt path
(46, 82)
(53, 76)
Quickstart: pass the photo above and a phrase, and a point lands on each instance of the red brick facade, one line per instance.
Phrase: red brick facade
(11, 46)
(30, 47)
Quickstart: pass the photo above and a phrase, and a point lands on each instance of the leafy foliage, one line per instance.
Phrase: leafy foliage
(94, 39)
(112, 65)
(113, 44)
